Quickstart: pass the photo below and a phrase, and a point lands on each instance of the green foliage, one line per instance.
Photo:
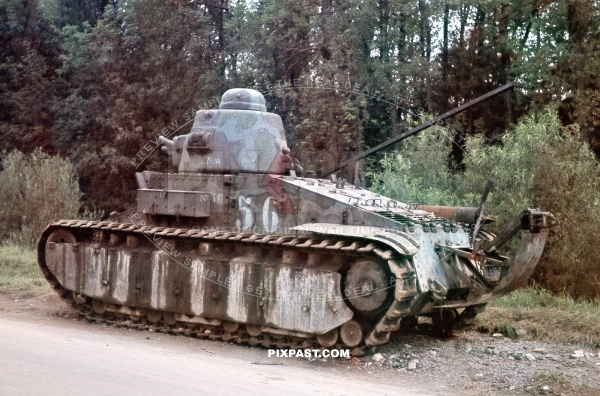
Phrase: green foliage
(544, 315)
(418, 172)
(534, 296)
(36, 190)
(19, 271)
(28, 61)
(142, 68)
(74, 13)
(305, 57)
(518, 165)
(538, 164)
(505, 328)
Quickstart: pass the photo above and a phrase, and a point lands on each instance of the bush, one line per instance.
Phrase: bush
(36, 190)
(419, 172)
(538, 164)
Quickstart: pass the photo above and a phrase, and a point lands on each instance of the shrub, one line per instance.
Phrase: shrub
(418, 172)
(36, 189)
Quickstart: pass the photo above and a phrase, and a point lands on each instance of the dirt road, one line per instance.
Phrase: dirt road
(54, 354)
(47, 348)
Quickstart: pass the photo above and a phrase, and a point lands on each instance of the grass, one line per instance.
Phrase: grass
(552, 382)
(536, 313)
(551, 378)
(19, 271)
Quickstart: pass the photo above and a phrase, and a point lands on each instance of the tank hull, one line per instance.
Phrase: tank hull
(292, 285)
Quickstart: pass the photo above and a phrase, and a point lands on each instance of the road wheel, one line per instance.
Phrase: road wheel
(328, 339)
(351, 333)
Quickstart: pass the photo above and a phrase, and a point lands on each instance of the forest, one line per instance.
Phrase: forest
(95, 81)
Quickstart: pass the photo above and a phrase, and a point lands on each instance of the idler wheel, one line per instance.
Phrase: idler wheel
(153, 316)
(99, 306)
(366, 286)
(328, 339)
(169, 318)
(230, 327)
(254, 331)
(61, 236)
(351, 333)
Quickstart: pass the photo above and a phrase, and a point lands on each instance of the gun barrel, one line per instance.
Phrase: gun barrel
(166, 142)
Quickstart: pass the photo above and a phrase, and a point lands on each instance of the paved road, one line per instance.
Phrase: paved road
(48, 359)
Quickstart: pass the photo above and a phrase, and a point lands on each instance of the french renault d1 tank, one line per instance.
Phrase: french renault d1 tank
(236, 245)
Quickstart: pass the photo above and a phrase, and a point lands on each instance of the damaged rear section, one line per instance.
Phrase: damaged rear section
(487, 274)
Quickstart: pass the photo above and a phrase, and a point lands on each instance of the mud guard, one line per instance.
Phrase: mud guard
(522, 264)
(399, 241)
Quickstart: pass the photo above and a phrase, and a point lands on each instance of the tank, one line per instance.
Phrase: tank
(234, 243)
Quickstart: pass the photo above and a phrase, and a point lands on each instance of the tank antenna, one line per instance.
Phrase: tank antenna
(425, 125)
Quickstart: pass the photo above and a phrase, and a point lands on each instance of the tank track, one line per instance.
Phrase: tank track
(286, 339)
(215, 333)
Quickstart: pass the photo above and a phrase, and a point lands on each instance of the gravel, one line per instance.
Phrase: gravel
(484, 363)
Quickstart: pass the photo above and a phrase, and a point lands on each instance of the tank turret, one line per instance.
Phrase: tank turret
(239, 137)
